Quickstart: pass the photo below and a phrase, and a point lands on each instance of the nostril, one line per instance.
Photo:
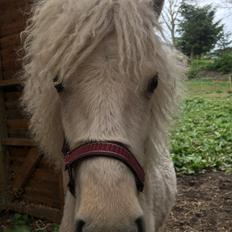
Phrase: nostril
(79, 225)
(140, 224)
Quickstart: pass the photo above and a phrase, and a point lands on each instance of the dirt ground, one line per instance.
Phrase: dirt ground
(204, 204)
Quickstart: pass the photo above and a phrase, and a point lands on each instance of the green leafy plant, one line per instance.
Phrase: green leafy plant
(19, 223)
(202, 137)
(26, 223)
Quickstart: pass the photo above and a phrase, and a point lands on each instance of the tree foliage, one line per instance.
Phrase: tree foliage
(198, 30)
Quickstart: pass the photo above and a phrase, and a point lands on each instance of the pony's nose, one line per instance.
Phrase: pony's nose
(79, 225)
(139, 222)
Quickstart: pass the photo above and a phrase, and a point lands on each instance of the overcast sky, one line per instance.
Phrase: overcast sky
(223, 11)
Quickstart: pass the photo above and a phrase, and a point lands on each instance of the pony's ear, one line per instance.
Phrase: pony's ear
(158, 6)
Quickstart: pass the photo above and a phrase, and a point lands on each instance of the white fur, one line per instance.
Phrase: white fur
(104, 52)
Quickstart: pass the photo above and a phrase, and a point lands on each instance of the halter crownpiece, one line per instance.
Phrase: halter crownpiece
(102, 149)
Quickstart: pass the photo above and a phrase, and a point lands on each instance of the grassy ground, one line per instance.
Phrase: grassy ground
(202, 137)
(209, 89)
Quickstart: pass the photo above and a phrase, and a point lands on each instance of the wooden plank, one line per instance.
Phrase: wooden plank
(3, 156)
(26, 170)
(14, 114)
(49, 182)
(12, 96)
(11, 54)
(39, 199)
(10, 41)
(11, 58)
(16, 157)
(46, 173)
(18, 142)
(12, 66)
(39, 211)
(19, 133)
(11, 73)
(12, 104)
(10, 82)
(15, 26)
(12, 18)
(15, 164)
(17, 123)
(18, 128)
(18, 151)
(45, 191)
(7, 5)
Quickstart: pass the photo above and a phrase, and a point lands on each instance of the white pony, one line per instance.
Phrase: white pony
(107, 59)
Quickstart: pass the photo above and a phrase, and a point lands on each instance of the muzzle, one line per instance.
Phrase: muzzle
(113, 150)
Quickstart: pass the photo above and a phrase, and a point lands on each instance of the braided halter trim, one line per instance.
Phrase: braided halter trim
(107, 149)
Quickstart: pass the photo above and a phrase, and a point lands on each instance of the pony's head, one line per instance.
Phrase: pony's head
(107, 60)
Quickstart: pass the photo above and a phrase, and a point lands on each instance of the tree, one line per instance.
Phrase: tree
(198, 30)
(170, 15)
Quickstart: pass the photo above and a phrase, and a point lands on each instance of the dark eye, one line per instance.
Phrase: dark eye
(59, 86)
(153, 83)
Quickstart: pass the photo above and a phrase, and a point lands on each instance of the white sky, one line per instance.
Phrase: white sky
(223, 11)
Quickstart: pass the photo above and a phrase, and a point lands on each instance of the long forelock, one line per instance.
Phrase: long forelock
(62, 34)
(59, 37)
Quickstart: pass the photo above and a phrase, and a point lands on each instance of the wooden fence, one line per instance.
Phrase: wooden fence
(27, 183)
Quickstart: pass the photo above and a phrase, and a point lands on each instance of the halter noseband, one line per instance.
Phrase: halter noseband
(102, 149)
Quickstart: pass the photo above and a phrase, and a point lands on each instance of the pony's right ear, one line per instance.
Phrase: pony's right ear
(158, 6)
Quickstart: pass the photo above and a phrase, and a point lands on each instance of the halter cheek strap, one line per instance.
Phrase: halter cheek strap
(102, 149)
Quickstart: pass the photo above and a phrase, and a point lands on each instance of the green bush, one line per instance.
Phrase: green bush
(222, 64)
(196, 66)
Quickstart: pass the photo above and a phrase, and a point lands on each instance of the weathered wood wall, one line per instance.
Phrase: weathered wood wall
(27, 182)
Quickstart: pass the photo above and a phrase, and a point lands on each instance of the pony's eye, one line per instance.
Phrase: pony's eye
(59, 86)
(153, 83)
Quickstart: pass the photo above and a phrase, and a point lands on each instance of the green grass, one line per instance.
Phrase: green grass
(202, 137)
(208, 89)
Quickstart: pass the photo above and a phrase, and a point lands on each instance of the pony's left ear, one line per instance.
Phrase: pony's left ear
(158, 6)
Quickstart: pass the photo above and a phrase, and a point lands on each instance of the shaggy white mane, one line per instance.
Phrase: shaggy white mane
(61, 34)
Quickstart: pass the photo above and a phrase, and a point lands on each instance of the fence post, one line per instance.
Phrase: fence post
(230, 81)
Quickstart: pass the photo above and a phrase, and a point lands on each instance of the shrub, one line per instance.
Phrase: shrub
(196, 66)
(222, 64)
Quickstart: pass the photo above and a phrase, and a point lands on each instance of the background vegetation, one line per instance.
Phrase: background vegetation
(198, 30)
(220, 64)
(202, 137)
(26, 223)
